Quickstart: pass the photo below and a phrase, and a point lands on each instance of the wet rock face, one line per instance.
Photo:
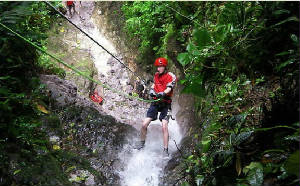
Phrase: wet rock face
(99, 138)
(64, 93)
(183, 109)
(130, 111)
(86, 131)
(174, 172)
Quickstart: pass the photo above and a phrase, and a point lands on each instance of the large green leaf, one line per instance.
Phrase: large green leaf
(4, 91)
(292, 164)
(284, 64)
(195, 88)
(220, 33)
(293, 18)
(183, 59)
(295, 38)
(282, 11)
(271, 128)
(201, 37)
(254, 172)
(205, 145)
(192, 49)
(240, 138)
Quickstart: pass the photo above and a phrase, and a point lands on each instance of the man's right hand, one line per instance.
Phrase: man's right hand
(152, 93)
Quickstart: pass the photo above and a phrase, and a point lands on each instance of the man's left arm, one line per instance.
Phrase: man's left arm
(168, 90)
(170, 84)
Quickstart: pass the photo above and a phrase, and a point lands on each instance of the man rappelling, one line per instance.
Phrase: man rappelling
(162, 89)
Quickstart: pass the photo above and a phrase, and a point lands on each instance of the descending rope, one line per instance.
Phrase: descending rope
(49, 4)
(76, 70)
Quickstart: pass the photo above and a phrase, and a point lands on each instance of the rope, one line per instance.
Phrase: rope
(49, 4)
(76, 70)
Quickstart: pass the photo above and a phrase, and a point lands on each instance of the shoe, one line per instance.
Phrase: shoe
(140, 145)
(165, 153)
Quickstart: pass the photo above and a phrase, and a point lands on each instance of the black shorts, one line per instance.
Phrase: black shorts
(157, 107)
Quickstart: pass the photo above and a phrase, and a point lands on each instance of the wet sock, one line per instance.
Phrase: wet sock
(166, 153)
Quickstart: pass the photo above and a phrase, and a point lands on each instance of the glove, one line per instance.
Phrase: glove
(161, 95)
(152, 93)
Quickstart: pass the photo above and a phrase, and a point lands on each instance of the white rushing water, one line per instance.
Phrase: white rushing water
(145, 167)
(99, 55)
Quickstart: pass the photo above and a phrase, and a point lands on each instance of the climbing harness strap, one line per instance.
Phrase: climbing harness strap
(165, 104)
(78, 72)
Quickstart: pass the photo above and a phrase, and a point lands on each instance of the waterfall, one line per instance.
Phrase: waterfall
(145, 167)
(138, 167)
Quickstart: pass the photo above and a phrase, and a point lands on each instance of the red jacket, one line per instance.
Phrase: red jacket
(162, 81)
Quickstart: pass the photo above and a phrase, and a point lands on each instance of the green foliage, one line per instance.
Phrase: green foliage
(227, 138)
(254, 173)
(225, 49)
(48, 66)
(220, 39)
(21, 100)
(292, 162)
(140, 23)
(31, 19)
(153, 25)
(14, 12)
(20, 88)
(201, 38)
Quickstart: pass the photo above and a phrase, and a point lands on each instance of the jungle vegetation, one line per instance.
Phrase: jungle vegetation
(239, 59)
(26, 156)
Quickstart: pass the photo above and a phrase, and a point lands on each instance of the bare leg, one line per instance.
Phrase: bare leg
(165, 133)
(144, 128)
(74, 11)
(70, 14)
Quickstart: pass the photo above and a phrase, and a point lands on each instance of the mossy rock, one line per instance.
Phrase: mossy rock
(40, 170)
(52, 121)
(52, 124)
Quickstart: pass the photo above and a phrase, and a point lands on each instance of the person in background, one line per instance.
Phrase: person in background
(70, 5)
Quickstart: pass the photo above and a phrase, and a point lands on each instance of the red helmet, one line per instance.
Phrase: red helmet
(161, 62)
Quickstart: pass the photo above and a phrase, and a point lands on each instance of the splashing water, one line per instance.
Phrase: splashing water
(100, 56)
(145, 167)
